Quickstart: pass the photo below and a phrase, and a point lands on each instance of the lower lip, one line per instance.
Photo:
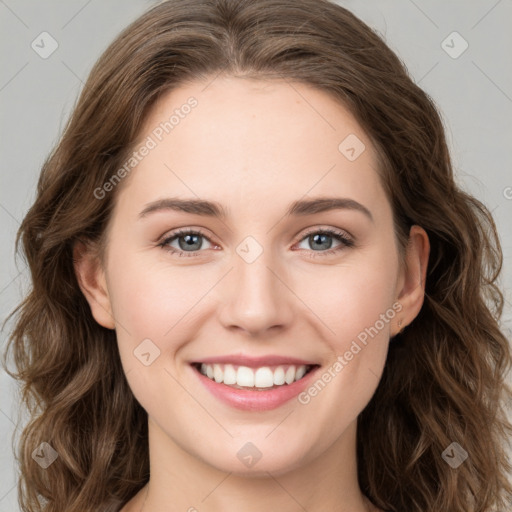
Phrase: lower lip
(256, 400)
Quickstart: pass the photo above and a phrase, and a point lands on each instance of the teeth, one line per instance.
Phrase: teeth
(290, 375)
(263, 378)
(243, 376)
(279, 376)
(301, 371)
(218, 375)
(229, 374)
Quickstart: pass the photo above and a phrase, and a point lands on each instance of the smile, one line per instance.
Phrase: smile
(256, 388)
(264, 377)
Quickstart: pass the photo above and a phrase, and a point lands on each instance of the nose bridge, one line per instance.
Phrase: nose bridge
(255, 298)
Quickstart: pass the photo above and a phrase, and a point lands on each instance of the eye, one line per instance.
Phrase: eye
(322, 239)
(189, 242)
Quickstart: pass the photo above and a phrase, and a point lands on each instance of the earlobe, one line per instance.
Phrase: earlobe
(92, 282)
(411, 291)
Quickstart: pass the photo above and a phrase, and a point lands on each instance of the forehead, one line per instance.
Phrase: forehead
(233, 139)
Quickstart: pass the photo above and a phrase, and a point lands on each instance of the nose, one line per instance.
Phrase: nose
(255, 297)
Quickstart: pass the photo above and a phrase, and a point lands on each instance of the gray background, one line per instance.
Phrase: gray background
(472, 91)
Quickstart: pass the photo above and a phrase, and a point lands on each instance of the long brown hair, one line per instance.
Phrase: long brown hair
(444, 380)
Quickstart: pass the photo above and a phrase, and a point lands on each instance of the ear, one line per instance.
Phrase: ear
(411, 283)
(92, 282)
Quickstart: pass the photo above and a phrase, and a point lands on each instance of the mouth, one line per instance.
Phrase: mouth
(262, 378)
(255, 388)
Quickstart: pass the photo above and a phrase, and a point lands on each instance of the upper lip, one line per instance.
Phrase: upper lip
(254, 362)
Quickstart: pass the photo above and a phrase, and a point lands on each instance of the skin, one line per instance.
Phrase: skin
(255, 147)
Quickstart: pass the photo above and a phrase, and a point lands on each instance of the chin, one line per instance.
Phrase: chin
(250, 461)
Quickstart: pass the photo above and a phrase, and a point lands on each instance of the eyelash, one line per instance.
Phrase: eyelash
(346, 241)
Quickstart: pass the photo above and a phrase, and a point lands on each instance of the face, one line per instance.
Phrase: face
(263, 279)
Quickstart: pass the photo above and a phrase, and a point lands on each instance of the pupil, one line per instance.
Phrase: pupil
(189, 242)
(322, 236)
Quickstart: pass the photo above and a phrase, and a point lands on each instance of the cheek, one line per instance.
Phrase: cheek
(155, 302)
(352, 298)
(155, 317)
(361, 312)
(356, 309)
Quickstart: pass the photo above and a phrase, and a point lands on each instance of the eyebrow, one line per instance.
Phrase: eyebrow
(301, 207)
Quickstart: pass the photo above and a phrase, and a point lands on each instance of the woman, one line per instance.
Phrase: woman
(256, 284)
